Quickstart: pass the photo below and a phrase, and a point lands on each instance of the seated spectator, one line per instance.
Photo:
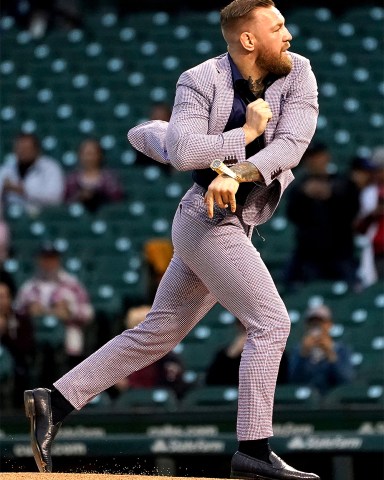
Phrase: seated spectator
(370, 223)
(40, 16)
(323, 207)
(4, 240)
(7, 278)
(159, 111)
(31, 179)
(54, 293)
(16, 334)
(158, 253)
(224, 368)
(92, 184)
(361, 172)
(318, 360)
(166, 372)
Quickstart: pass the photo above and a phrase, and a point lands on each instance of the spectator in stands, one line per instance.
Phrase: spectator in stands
(166, 372)
(52, 292)
(323, 207)
(31, 179)
(4, 239)
(361, 172)
(16, 334)
(92, 183)
(39, 16)
(318, 360)
(159, 111)
(370, 222)
(224, 368)
(158, 253)
(7, 278)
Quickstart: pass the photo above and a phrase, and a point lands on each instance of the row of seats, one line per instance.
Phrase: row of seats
(80, 80)
(346, 396)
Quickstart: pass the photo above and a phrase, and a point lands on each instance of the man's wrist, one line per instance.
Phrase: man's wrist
(220, 168)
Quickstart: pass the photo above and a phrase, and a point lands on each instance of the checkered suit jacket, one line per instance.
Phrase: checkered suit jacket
(203, 102)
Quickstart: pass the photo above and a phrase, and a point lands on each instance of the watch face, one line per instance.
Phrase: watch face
(216, 163)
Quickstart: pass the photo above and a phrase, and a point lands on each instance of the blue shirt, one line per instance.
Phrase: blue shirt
(322, 374)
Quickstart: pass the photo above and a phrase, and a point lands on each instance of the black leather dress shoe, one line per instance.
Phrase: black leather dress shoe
(37, 404)
(244, 466)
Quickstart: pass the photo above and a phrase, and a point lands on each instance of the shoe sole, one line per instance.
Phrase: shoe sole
(30, 412)
(247, 476)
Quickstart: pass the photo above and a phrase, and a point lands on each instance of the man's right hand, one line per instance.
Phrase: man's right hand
(257, 115)
(15, 187)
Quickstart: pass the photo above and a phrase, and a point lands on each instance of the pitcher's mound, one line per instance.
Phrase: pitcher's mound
(86, 476)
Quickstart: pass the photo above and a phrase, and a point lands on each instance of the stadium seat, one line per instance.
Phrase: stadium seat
(211, 397)
(100, 401)
(6, 364)
(297, 395)
(214, 337)
(49, 331)
(356, 394)
(196, 356)
(147, 398)
(369, 366)
(7, 373)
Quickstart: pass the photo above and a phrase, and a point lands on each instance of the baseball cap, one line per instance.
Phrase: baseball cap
(48, 248)
(361, 163)
(321, 312)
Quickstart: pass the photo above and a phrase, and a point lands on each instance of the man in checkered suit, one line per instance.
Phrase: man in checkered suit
(248, 114)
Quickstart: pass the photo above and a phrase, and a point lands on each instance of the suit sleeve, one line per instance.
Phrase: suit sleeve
(188, 143)
(295, 127)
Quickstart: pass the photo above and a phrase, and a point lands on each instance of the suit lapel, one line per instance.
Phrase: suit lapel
(273, 97)
(223, 99)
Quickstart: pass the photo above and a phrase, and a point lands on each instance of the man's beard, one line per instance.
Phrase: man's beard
(278, 65)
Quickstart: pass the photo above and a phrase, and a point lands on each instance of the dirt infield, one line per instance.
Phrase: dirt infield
(85, 476)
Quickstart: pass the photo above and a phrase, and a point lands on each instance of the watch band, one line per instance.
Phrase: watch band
(219, 167)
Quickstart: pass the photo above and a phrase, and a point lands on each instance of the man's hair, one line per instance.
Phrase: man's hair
(239, 10)
(30, 136)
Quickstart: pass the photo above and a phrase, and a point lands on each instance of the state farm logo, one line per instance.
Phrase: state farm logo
(331, 442)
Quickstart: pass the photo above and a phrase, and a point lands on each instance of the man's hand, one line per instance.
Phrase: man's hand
(61, 310)
(10, 186)
(257, 115)
(318, 189)
(36, 309)
(221, 191)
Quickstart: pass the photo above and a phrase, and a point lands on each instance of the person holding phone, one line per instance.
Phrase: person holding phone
(318, 360)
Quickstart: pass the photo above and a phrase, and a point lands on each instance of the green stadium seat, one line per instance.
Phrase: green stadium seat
(211, 397)
(367, 19)
(355, 394)
(49, 331)
(7, 373)
(160, 399)
(213, 337)
(196, 356)
(102, 401)
(297, 395)
(369, 366)
(6, 364)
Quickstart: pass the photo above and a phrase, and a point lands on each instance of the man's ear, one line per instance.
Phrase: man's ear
(248, 41)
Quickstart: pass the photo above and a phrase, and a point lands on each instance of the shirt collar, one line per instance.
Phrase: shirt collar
(236, 75)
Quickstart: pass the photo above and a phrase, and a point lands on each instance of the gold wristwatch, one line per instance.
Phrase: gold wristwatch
(219, 167)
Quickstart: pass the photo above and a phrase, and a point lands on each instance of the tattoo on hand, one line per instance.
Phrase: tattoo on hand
(247, 172)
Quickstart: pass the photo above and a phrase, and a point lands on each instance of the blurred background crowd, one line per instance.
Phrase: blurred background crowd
(85, 220)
